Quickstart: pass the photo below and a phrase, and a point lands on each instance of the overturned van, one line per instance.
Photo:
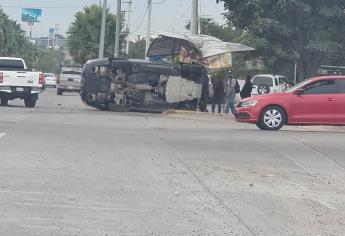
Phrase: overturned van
(138, 85)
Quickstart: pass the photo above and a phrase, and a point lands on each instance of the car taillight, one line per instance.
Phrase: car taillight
(1, 77)
(41, 79)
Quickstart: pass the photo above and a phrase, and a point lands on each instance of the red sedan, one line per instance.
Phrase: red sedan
(317, 101)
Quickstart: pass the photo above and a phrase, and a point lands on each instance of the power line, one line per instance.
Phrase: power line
(141, 22)
(161, 2)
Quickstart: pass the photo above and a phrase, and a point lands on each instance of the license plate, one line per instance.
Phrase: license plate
(20, 89)
(70, 87)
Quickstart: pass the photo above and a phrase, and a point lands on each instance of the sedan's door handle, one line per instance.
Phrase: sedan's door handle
(331, 99)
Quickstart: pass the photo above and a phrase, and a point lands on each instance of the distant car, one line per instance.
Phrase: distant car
(69, 80)
(263, 84)
(49, 80)
(318, 101)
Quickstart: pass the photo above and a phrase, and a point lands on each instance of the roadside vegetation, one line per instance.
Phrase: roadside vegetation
(14, 44)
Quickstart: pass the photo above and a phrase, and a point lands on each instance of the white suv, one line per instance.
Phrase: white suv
(263, 84)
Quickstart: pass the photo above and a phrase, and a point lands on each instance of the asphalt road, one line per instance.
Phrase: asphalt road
(67, 169)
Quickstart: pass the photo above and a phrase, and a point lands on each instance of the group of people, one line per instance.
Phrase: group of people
(225, 90)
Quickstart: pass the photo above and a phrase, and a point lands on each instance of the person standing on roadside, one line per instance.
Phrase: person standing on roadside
(246, 91)
(231, 87)
(218, 93)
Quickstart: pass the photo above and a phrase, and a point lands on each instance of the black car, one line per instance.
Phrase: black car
(138, 85)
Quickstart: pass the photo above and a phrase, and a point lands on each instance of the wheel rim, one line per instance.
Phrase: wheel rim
(262, 90)
(273, 118)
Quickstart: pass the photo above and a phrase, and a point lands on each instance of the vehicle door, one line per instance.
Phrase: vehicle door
(340, 100)
(317, 104)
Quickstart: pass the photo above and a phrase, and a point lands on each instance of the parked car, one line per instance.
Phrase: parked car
(69, 80)
(17, 81)
(263, 84)
(49, 80)
(317, 101)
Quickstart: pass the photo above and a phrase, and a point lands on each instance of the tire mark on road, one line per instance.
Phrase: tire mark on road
(300, 142)
(210, 192)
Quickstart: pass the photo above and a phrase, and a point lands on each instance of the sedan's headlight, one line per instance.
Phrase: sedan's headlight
(250, 103)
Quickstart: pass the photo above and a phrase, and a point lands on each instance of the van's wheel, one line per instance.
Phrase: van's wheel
(272, 118)
(30, 101)
(4, 101)
(59, 91)
(263, 89)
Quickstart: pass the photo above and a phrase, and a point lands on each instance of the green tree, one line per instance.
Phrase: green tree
(137, 49)
(84, 32)
(308, 32)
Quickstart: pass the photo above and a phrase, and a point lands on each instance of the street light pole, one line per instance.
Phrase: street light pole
(118, 30)
(102, 36)
(148, 29)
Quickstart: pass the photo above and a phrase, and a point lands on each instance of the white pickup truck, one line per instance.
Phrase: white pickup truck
(16, 81)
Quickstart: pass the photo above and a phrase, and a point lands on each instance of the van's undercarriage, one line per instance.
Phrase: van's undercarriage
(131, 85)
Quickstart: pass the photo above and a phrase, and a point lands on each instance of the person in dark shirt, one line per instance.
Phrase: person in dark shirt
(246, 91)
(218, 93)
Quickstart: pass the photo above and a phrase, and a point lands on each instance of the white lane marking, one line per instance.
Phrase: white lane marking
(2, 135)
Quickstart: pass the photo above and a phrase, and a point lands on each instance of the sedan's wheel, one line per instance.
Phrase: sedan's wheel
(272, 118)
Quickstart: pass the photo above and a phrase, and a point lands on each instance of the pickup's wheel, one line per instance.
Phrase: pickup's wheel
(4, 101)
(263, 89)
(59, 91)
(272, 118)
(30, 102)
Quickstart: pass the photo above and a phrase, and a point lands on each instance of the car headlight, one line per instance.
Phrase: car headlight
(250, 103)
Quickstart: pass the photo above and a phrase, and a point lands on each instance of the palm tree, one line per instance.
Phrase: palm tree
(83, 34)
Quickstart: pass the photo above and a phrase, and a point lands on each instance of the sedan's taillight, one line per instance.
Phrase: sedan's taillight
(41, 79)
(1, 77)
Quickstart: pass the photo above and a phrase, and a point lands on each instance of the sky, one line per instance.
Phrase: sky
(167, 15)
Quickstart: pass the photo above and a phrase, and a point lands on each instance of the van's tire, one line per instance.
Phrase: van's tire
(30, 101)
(59, 92)
(272, 118)
(4, 101)
(263, 89)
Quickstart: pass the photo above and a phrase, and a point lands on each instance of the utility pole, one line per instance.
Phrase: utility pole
(194, 18)
(102, 36)
(118, 29)
(199, 18)
(148, 29)
(129, 25)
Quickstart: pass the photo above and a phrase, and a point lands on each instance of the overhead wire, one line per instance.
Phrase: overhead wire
(141, 22)
(161, 2)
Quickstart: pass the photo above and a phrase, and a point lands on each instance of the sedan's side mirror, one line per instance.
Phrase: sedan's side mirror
(300, 92)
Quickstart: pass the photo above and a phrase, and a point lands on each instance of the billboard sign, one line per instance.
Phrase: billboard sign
(31, 15)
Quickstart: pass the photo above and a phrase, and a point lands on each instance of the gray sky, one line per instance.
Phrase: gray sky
(171, 15)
